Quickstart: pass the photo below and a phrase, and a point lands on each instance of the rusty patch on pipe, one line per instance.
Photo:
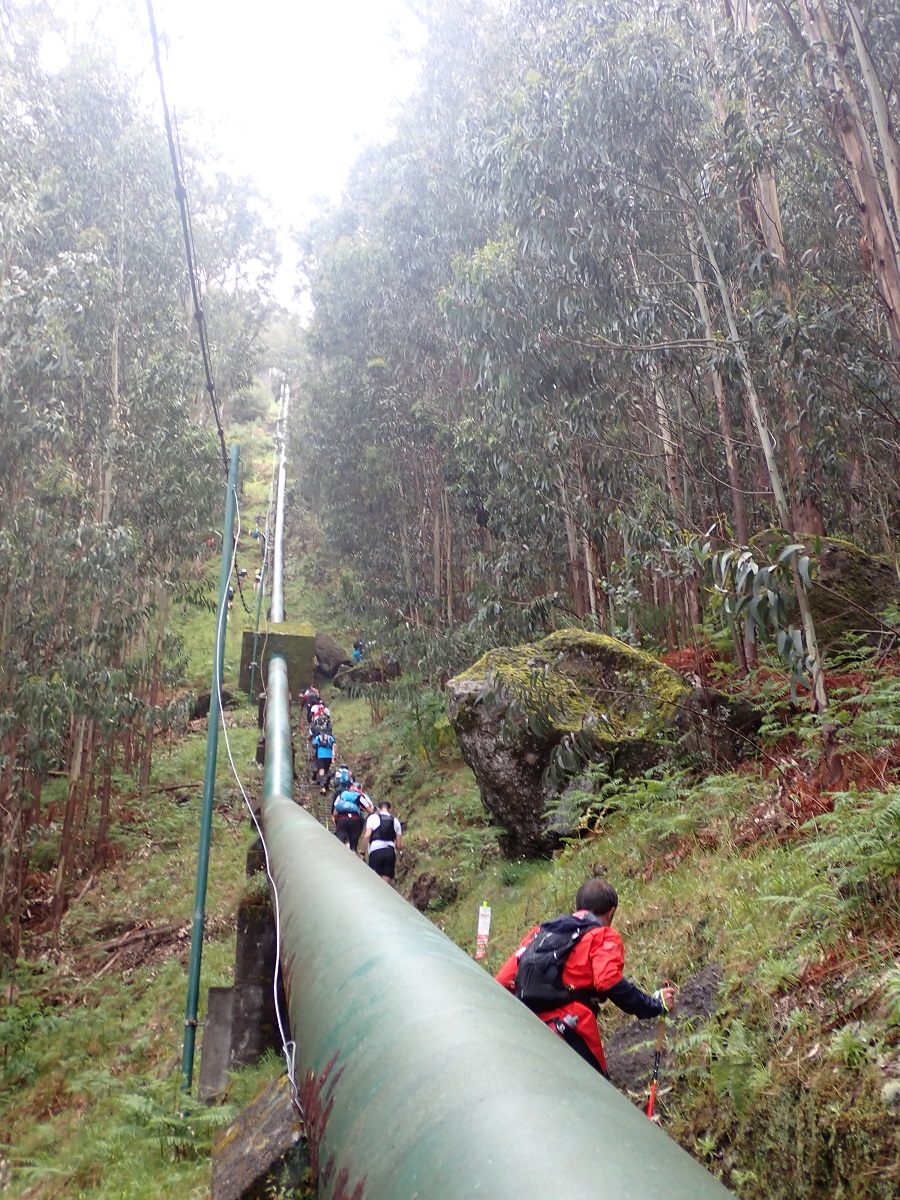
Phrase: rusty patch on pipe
(317, 1101)
(341, 1189)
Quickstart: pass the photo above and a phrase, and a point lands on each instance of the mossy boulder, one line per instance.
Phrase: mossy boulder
(330, 656)
(517, 705)
(576, 696)
(850, 588)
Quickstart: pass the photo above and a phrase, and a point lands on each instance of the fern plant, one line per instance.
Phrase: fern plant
(858, 844)
(185, 1132)
(890, 986)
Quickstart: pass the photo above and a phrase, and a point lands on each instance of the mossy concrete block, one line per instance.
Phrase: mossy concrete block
(262, 1150)
(215, 1056)
(517, 704)
(254, 1023)
(295, 642)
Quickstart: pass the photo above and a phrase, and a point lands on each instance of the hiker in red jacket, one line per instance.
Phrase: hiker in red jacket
(594, 958)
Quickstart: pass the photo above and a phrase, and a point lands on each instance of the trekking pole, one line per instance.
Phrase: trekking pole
(660, 1034)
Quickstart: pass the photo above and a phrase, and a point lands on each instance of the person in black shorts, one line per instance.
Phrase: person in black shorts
(347, 817)
(382, 839)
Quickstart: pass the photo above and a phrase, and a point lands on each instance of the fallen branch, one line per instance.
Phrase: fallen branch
(84, 891)
(141, 935)
(109, 963)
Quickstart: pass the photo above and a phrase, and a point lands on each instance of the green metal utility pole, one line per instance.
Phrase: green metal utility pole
(209, 778)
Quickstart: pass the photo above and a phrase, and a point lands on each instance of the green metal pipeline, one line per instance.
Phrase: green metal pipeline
(420, 1077)
(277, 548)
(279, 775)
(209, 778)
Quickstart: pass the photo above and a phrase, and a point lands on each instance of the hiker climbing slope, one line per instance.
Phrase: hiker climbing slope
(565, 968)
(382, 841)
(347, 817)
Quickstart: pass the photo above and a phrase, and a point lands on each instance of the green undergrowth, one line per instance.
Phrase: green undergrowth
(792, 1089)
(91, 1032)
(90, 1065)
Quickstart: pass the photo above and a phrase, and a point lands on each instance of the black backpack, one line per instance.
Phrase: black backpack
(539, 982)
(384, 833)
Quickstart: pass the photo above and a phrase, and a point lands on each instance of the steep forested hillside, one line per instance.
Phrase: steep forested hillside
(605, 339)
(621, 292)
(110, 471)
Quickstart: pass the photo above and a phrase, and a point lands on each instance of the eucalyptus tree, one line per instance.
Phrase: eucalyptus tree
(109, 492)
(635, 283)
(387, 386)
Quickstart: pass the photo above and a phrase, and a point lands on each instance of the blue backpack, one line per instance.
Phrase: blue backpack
(348, 804)
(343, 778)
(324, 744)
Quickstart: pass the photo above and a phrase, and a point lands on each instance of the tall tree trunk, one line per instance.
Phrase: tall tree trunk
(438, 558)
(761, 204)
(405, 556)
(106, 485)
(67, 840)
(676, 493)
(153, 698)
(890, 152)
(589, 551)
(848, 125)
(103, 823)
(575, 565)
(448, 555)
(765, 441)
(12, 881)
(717, 388)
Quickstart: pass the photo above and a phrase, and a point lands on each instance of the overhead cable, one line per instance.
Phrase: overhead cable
(190, 252)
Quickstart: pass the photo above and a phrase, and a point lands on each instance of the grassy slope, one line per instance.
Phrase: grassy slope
(91, 1049)
(781, 1094)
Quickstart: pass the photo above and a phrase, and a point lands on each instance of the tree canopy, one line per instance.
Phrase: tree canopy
(621, 287)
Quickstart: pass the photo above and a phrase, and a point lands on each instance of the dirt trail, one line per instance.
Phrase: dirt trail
(630, 1050)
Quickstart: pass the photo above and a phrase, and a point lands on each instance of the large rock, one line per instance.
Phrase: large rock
(850, 588)
(576, 696)
(329, 656)
(516, 705)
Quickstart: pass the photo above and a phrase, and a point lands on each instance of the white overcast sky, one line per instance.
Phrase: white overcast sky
(289, 92)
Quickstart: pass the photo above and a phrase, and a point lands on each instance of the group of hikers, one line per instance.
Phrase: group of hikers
(563, 970)
(354, 815)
